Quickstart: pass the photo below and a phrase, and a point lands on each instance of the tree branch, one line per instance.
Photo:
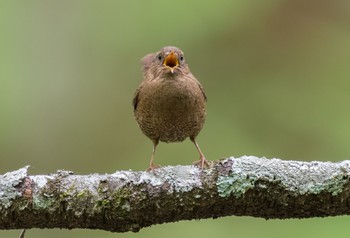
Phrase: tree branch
(128, 201)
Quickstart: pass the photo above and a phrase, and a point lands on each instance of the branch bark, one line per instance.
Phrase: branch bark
(128, 201)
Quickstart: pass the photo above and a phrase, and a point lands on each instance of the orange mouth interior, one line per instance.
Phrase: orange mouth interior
(171, 60)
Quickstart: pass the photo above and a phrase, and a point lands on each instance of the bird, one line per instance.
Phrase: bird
(169, 104)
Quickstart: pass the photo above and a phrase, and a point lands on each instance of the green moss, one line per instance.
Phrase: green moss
(69, 191)
(236, 184)
(101, 205)
(83, 194)
(120, 199)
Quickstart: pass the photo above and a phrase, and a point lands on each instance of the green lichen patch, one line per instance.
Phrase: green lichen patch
(236, 184)
(42, 203)
(333, 185)
(296, 177)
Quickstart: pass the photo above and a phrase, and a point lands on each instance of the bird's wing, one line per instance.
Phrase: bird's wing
(202, 89)
(146, 62)
(135, 100)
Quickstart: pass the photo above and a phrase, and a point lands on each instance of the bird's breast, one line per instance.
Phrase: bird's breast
(170, 110)
(172, 96)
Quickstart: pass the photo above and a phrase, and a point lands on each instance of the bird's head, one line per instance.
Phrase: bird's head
(170, 59)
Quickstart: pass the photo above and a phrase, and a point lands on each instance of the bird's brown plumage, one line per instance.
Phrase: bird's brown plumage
(169, 104)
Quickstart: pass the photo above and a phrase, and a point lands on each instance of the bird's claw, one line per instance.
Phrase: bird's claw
(202, 163)
(152, 167)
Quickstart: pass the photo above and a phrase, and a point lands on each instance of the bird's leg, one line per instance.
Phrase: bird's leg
(153, 166)
(202, 162)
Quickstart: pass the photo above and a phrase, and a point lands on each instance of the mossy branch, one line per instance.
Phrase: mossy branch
(128, 201)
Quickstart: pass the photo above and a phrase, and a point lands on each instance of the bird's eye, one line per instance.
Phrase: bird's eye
(181, 58)
(159, 57)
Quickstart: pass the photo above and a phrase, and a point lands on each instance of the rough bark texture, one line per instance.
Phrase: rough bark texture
(128, 201)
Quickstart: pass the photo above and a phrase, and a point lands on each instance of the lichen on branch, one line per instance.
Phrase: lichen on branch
(130, 200)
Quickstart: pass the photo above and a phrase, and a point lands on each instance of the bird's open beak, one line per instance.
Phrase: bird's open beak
(171, 61)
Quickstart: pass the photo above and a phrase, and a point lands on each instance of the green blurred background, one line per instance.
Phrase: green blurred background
(276, 74)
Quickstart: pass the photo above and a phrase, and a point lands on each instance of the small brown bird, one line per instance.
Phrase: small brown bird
(169, 104)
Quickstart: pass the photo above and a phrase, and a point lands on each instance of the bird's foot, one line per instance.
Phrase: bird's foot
(152, 167)
(202, 163)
